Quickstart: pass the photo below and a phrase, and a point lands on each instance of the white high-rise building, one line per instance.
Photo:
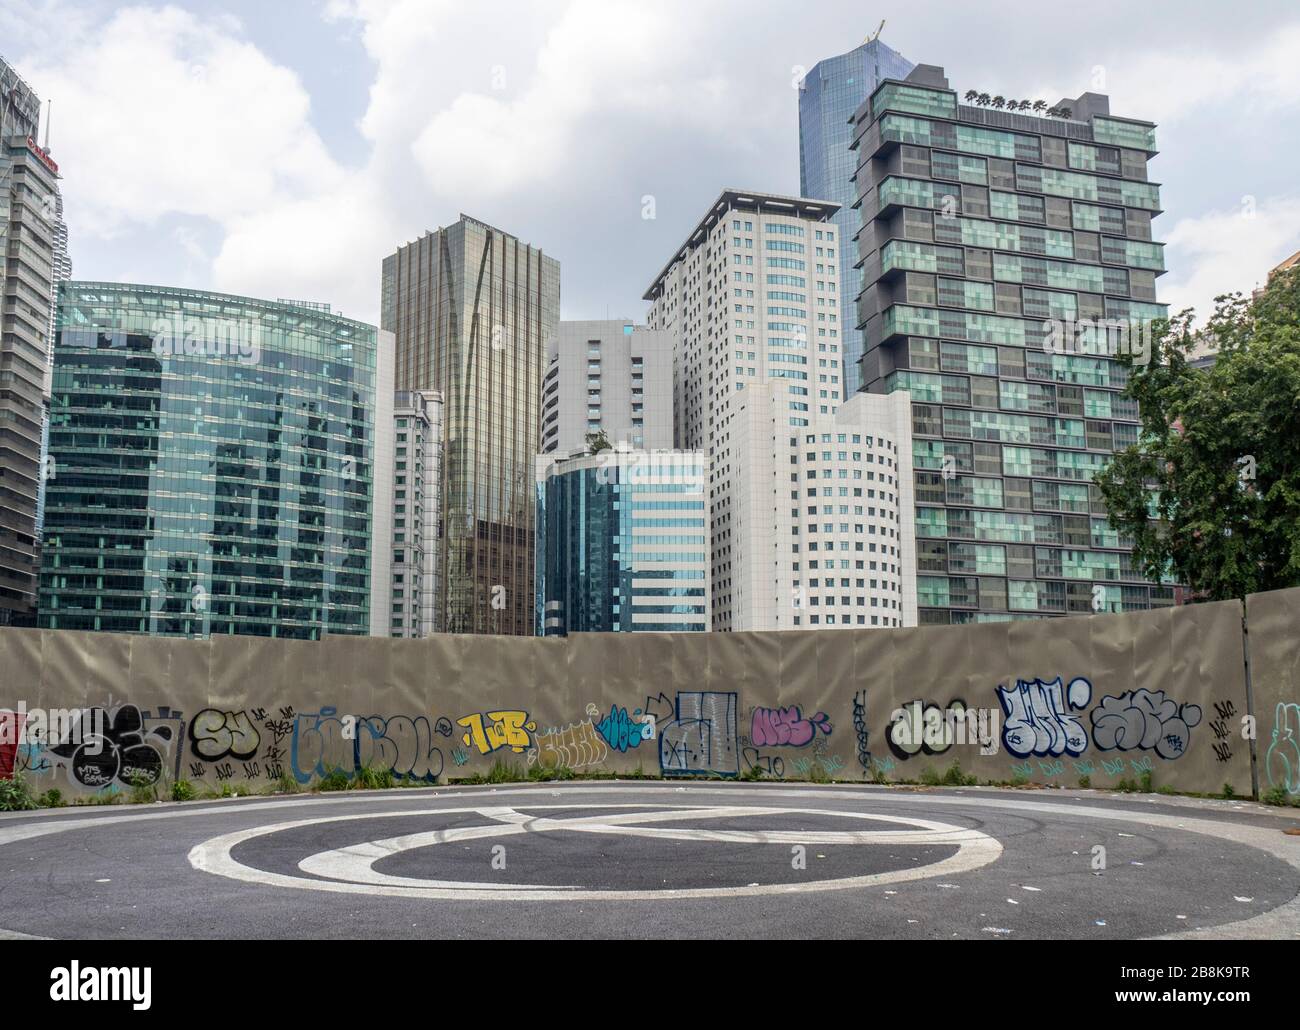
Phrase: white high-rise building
(751, 297)
(822, 533)
(612, 377)
(416, 505)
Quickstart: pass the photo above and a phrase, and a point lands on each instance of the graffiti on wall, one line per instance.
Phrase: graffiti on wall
(701, 738)
(860, 730)
(829, 763)
(1068, 726)
(325, 741)
(576, 746)
(215, 735)
(12, 730)
(923, 727)
(786, 727)
(126, 751)
(1282, 759)
(494, 730)
(768, 765)
(224, 744)
(1039, 719)
(1220, 726)
(1144, 720)
(622, 731)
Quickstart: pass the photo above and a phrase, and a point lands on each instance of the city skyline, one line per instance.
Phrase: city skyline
(611, 469)
(351, 172)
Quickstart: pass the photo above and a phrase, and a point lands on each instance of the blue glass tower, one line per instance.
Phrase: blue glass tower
(622, 543)
(831, 92)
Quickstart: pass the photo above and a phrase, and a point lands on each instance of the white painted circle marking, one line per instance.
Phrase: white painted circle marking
(350, 870)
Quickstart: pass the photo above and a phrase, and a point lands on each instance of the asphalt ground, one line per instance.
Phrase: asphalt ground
(700, 860)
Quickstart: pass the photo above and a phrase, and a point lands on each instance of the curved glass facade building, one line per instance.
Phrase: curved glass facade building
(622, 543)
(216, 462)
(829, 94)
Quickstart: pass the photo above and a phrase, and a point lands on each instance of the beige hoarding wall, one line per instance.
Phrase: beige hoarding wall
(1106, 698)
(1274, 641)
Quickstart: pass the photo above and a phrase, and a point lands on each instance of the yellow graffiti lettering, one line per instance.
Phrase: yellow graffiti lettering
(496, 730)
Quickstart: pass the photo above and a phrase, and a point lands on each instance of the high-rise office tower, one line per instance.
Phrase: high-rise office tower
(612, 377)
(473, 310)
(829, 94)
(28, 189)
(417, 476)
(751, 295)
(1006, 257)
(223, 466)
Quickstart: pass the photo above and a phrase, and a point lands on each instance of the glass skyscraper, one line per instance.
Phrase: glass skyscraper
(473, 309)
(217, 461)
(1007, 256)
(621, 541)
(829, 95)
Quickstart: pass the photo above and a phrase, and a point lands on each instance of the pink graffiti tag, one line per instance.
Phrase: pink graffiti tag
(777, 727)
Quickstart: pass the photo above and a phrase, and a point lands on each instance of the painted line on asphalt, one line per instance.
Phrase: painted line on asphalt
(1283, 919)
(975, 849)
(353, 865)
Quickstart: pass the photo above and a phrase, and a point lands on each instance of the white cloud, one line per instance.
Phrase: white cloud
(1228, 251)
(325, 246)
(160, 112)
(554, 118)
(1169, 87)
(522, 121)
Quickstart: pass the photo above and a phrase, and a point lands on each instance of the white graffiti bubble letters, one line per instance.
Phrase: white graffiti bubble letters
(1039, 719)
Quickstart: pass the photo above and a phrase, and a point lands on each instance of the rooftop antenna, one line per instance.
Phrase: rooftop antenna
(876, 35)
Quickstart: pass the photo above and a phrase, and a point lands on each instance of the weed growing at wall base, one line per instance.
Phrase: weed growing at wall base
(368, 778)
(954, 777)
(559, 772)
(335, 779)
(16, 795)
(143, 791)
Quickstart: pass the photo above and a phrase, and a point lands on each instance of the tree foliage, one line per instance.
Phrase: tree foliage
(1211, 491)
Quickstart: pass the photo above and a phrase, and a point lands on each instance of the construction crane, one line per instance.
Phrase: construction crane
(872, 38)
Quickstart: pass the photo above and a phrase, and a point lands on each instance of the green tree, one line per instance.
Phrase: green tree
(1211, 491)
(597, 442)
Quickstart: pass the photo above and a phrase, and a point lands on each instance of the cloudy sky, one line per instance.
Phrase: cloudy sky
(280, 148)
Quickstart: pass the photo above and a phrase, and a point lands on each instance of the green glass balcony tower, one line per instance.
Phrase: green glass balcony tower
(216, 463)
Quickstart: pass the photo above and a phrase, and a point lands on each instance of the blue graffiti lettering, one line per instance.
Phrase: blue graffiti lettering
(622, 731)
